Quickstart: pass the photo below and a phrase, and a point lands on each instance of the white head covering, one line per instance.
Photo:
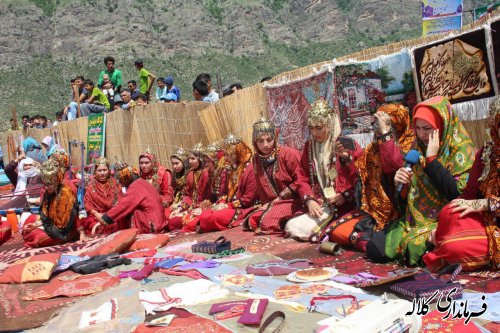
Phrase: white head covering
(23, 175)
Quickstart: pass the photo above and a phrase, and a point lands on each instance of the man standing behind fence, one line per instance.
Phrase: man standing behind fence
(146, 79)
(115, 75)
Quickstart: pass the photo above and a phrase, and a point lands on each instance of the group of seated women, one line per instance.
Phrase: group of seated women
(442, 210)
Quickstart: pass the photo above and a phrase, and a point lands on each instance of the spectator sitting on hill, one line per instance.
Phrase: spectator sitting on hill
(25, 121)
(114, 75)
(169, 82)
(134, 91)
(212, 94)
(59, 118)
(96, 103)
(49, 123)
(146, 79)
(161, 90)
(200, 91)
(35, 121)
(70, 112)
(118, 103)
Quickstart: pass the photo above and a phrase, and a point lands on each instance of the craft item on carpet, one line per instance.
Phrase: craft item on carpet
(181, 246)
(129, 312)
(312, 275)
(200, 264)
(457, 68)
(241, 280)
(228, 253)
(138, 274)
(433, 322)
(475, 303)
(168, 263)
(288, 104)
(181, 294)
(71, 285)
(363, 280)
(38, 268)
(105, 312)
(98, 263)
(114, 243)
(277, 267)
(149, 241)
(186, 256)
(254, 311)
(67, 260)
(219, 245)
(425, 285)
(230, 309)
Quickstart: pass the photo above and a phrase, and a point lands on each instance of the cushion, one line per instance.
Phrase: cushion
(5, 232)
(149, 241)
(114, 243)
(37, 268)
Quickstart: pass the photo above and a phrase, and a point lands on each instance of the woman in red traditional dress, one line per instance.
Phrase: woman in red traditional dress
(102, 193)
(282, 186)
(70, 178)
(215, 161)
(230, 209)
(197, 190)
(160, 177)
(141, 204)
(58, 211)
(468, 228)
(331, 173)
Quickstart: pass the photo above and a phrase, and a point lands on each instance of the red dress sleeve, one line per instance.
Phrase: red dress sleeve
(247, 187)
(391, 157)
(300, 182)
(127, 204)
(204, 188)
(167, 190)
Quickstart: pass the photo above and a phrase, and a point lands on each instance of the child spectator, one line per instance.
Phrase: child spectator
(114, 75)
(146, 79)
(169, 82)
(161, 90)
(200, 91)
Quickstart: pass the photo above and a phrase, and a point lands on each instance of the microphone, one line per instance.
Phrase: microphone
(412, 158)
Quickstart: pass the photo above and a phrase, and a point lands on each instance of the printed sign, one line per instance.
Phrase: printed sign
(96, 137)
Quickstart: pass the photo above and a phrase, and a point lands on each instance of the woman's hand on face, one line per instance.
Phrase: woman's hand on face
(403, 176)
(433, 145)
(340, 150)
(384, 122)
(315, 209)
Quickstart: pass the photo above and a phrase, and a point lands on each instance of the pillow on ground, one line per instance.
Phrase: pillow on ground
(114, 243)
(5, 232)
(149, 242)
(38, 268)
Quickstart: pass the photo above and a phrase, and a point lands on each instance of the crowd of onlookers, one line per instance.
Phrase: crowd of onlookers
(111, 93)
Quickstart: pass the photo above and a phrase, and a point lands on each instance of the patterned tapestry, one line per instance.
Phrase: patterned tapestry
(361, 87)
(288, 104)
(495, 37)
(457, 68)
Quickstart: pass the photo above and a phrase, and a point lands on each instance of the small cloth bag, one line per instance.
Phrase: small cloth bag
(221, 244)
(424, 285)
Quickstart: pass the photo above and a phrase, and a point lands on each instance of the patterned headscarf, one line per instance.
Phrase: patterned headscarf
(242, 155)
(182, 156)
(33, 149)
(154, 162)
(424, 200)
(124, 173)
(61, 157)
(198, 152)
(374, 200)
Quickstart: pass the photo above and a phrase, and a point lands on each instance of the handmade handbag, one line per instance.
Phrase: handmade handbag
(424, 285)
(220, 244)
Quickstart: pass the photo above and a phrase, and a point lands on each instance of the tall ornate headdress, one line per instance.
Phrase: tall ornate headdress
(211, 150)
(231, 139)
(319, 113)
(263, 126)
(152, 157)
(61, 157)
(101, 161)
(180, 154)
(198, 151)
(51, 173)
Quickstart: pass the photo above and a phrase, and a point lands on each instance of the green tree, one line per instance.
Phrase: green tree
(385, 76)
(407, 81)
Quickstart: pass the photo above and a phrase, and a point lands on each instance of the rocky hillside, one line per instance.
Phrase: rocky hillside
(44, 43)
